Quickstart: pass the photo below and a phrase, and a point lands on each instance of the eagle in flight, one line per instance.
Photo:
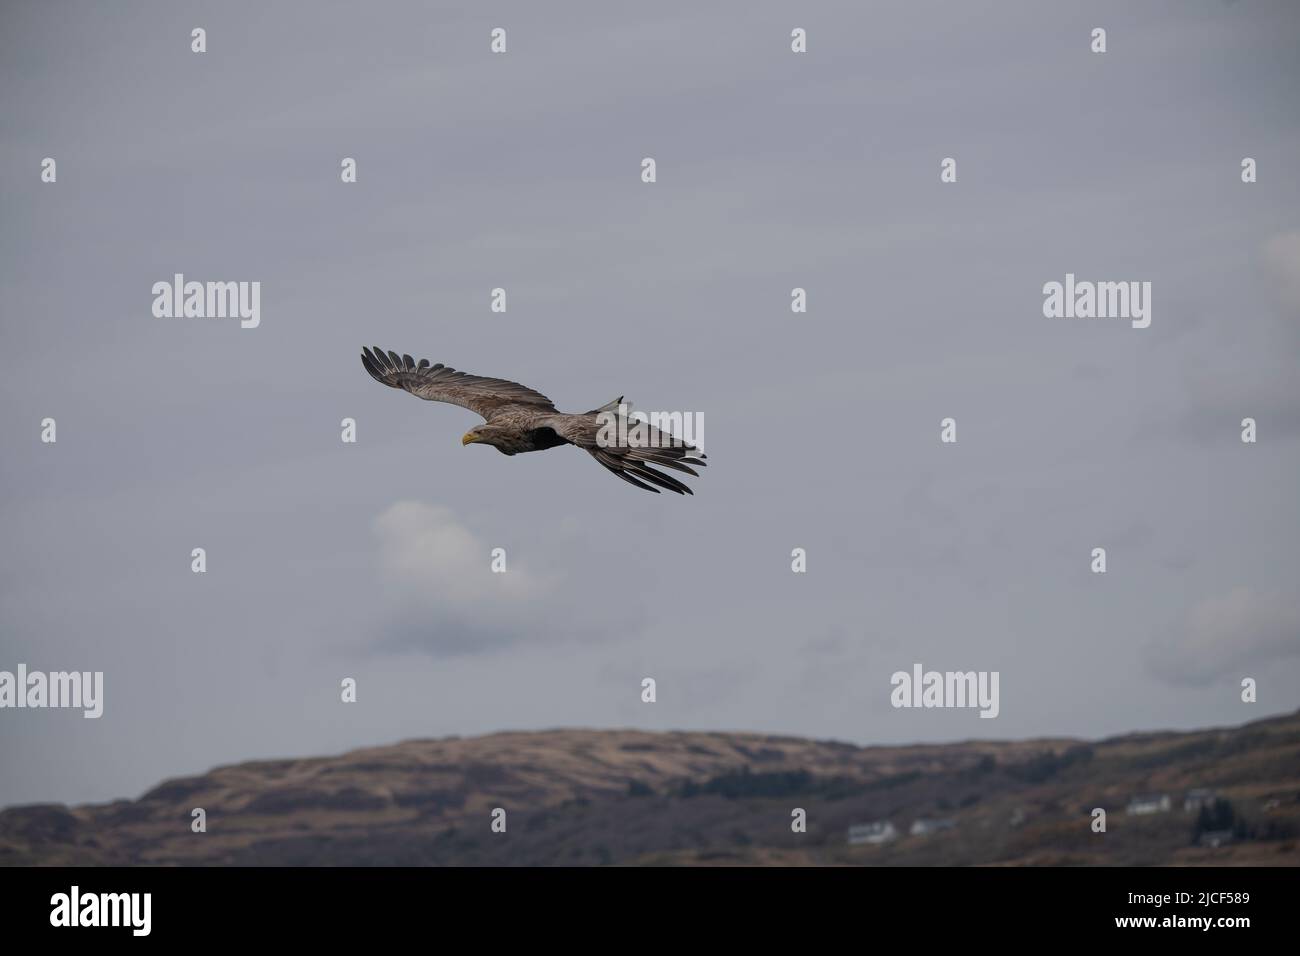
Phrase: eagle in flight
(518, 419)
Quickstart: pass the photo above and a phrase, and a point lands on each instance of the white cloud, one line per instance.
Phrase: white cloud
(1221, 635)
(1282, 258)
(426, 551)
(1254, 373)
(441, 596)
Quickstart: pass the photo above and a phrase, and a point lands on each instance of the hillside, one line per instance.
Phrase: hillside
(585, 797)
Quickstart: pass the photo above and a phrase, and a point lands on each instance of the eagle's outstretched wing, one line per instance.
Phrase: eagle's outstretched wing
(438, 383)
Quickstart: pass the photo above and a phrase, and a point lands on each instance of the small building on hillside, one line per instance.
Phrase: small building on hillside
(1146, 803)
(1197, 798)
(925, 827)
(881, 831)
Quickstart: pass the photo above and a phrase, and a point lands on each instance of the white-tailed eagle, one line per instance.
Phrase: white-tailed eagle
(518, 419)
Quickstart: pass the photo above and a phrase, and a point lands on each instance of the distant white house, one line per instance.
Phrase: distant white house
(1195, 799)
(925, 827)
(881, 831)
(1017, 817)
(1145, 803)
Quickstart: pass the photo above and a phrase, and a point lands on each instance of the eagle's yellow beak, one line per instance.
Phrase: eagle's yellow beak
(468, 438)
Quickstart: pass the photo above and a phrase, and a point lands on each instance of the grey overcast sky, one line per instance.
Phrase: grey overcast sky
(775, 170)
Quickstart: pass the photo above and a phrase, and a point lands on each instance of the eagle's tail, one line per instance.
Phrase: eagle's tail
(634, 465)
(638, 463)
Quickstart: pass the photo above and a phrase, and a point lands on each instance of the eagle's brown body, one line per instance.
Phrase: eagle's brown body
(518, 419)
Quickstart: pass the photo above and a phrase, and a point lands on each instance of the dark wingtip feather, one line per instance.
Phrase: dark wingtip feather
(655, 477)
(634, 481)
(377, 366)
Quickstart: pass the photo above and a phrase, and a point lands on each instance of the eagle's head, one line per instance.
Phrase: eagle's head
(501, 439)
